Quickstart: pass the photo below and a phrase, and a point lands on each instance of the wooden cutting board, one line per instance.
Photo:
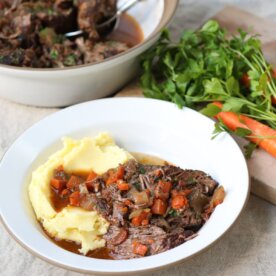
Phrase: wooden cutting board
(262, 166)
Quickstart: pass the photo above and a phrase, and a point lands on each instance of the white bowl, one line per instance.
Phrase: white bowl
(138, 125)
(62, 87)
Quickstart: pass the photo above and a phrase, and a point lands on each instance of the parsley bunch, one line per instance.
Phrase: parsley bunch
(206, 66)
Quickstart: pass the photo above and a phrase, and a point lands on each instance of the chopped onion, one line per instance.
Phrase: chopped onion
(140, 198)
(138, 212)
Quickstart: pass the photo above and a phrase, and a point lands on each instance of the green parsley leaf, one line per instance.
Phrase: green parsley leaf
(207, 65)
(137, 186)
(249, 148)
(70, 60)
(173, 213)
(54, 54)
(242, 132)
(211, 26)
(210, 110)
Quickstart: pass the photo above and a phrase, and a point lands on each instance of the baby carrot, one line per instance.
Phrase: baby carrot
(259, 130)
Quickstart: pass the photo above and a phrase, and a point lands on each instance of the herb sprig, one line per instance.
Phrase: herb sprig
(206, 66)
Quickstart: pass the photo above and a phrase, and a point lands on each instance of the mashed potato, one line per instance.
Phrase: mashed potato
(72, 223)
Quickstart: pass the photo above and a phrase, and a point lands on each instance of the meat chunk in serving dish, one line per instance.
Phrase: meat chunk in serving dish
(32, 32)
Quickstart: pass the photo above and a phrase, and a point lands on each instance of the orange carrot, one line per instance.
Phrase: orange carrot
(115, 175)
(142, 219)
(145, 222)
(75, 199)
(89, 181)
(120, 172)
(74, 181)
(162, 190)
(139, 249)
(58, 184)
(234, 121)
(185, 192)
(122, 185)
(65, 193)
(112, 178)
(179, 202)
(159, 207)
(92, 175)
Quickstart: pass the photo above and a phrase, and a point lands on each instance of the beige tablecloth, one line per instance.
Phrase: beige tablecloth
(249, 248)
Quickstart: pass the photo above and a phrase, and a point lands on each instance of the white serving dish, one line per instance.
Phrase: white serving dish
(139, 125)
(62, 87)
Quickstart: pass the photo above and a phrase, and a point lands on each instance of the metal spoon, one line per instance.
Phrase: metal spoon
(102, 28)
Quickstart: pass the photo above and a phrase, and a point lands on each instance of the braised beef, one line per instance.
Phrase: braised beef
(130, 198)
(152, 236)
(92, 12)
(117, 236)
(32, 32)
(120, 212)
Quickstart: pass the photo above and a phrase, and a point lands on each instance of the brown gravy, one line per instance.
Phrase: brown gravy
(59, 204)
(128, 31)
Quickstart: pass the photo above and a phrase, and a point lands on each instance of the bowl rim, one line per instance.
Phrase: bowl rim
(155, 268)
(170, 7)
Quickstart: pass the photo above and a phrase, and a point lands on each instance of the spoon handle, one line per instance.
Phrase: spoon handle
(125, 7)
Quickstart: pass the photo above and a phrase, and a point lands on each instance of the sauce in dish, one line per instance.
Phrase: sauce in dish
(128, 31)
(151, 206)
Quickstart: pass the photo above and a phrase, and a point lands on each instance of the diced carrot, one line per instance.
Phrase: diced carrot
(65, 193)
(137, 221)
(74, 181)
(234, 121)
(58, 184)
(166, 186)
(139, 249)
(75, 199)
(120, 172)
(145, 222)
(112, 178)
(159, 207)
(178, 202)
(162, 190)
(116, 175)
(91, 176)
(122, 185)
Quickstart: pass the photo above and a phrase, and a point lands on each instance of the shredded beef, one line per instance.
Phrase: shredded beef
(129, 197)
